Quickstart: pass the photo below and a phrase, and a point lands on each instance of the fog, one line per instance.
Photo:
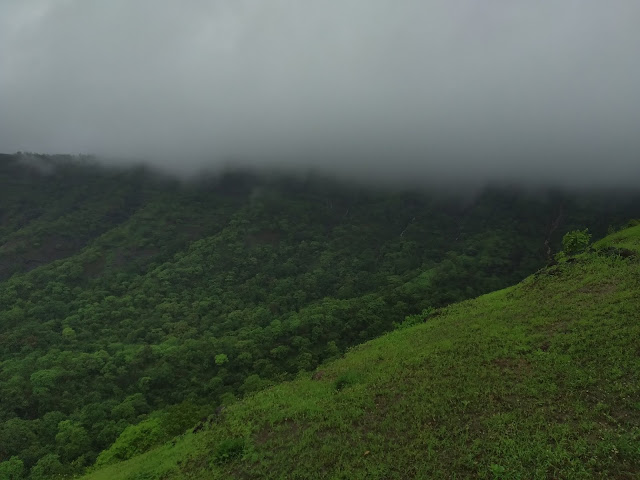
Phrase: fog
(425, 91)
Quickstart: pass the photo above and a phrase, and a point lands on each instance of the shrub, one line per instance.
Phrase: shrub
(228, 449)
(345, 380)
(416, 319)
(134, 440)
(576, 241)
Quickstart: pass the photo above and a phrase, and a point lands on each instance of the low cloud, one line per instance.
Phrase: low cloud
(413, 91)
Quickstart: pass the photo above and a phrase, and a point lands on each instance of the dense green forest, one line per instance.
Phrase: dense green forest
(133, 304)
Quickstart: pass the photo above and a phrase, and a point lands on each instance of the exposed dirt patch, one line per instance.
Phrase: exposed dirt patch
(599, 289)
(517, 365)
(561, 326)
(385, 402)
(264, 435)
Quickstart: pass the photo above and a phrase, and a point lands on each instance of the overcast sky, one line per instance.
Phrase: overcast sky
(414, 90)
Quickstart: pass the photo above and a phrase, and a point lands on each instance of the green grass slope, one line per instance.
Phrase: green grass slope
(540, 380)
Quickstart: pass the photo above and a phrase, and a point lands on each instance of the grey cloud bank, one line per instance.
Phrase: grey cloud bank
(414, 91)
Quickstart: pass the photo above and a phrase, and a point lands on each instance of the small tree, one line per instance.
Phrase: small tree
(576, 241)
(221, 359)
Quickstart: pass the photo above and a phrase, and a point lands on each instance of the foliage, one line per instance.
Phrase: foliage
(412, 320)
(134, 303)
(540, 380)
(228, 449)
(576, 241)
(345, 380)
(135, 439)
(138, 438)
(221, 359)
(12, 469)
(48, 466)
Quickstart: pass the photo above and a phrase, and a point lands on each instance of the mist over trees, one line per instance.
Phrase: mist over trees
(411, 93)
(229, 193)
(132, 305)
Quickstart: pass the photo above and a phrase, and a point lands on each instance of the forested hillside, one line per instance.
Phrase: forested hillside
(133, 304)
(537, 381)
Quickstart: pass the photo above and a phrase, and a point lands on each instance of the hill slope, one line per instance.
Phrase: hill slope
(540, 380)
(132, 304)
(164, 299)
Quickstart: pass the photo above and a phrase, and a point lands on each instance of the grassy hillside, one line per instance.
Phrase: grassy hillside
(132, 304)
(540, 380)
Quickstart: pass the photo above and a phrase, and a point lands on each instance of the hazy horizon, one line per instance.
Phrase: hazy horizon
(397, 92)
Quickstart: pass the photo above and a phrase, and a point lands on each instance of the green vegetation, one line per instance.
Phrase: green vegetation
(133, 305)
(576, 242)
(536, 381)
